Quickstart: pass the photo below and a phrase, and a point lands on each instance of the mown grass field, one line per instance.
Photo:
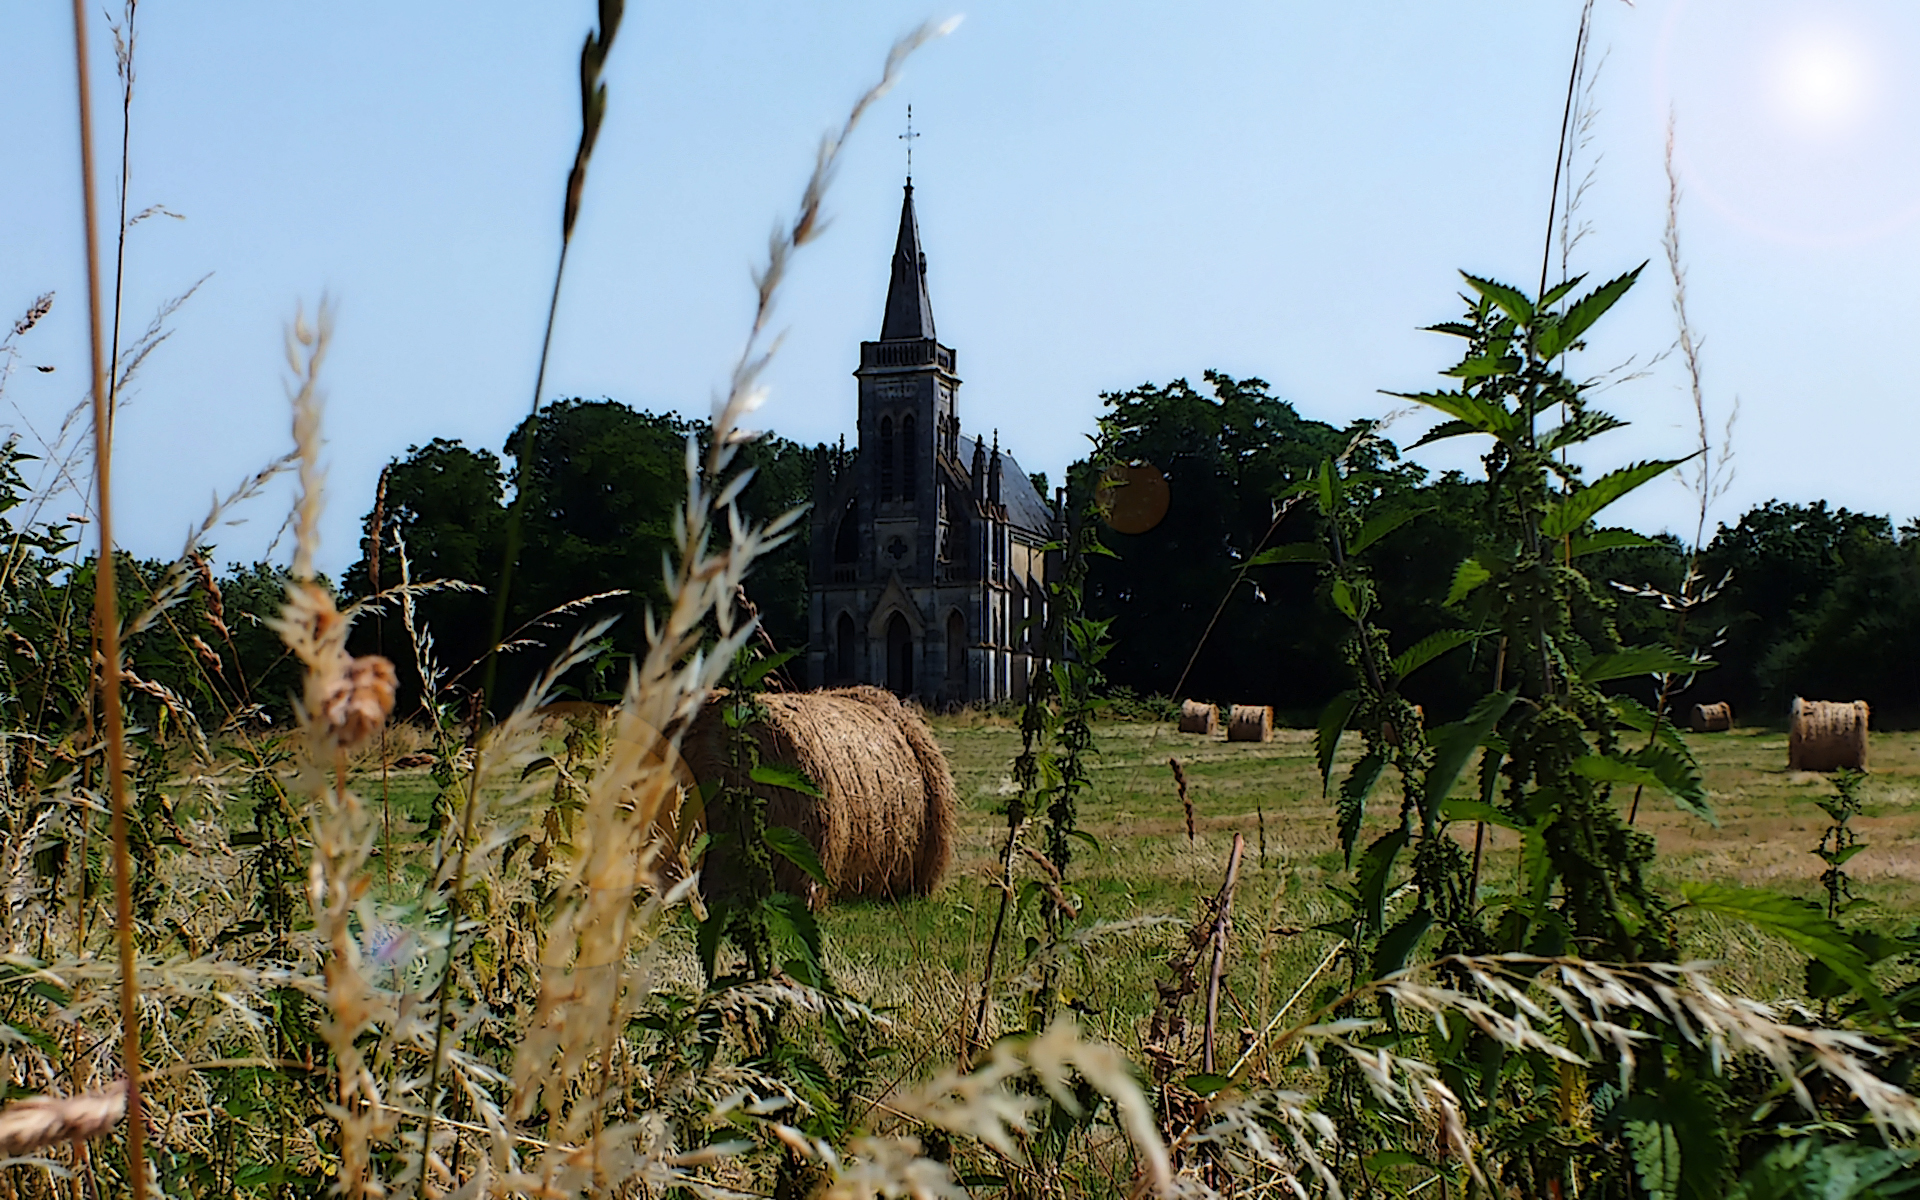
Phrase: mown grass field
(921, 959)
(922, 954)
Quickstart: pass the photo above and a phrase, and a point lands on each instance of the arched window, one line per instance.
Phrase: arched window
(886, 458)
(956, 656)
(910, 458)
(843, 649)
(899, 656)
(846, 542)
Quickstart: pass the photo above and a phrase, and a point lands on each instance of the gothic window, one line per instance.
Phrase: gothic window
(846, 543)
(910, 464)
(956, 656)
(843, 649)
(886, 458)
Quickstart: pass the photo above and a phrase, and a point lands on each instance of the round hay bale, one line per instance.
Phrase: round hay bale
(1250, 723)
(886, 824)
(1827, 735)
(1711, 718)
(1198, 717)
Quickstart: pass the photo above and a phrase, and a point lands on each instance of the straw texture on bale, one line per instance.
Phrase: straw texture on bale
(1250, 723)
(1827, 735)
(1711, 718)
(885, 826)
(1197, 717)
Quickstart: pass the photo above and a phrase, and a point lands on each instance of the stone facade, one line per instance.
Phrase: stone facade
(928, 562)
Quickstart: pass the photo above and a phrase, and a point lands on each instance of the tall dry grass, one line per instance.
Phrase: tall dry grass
(475, 1019)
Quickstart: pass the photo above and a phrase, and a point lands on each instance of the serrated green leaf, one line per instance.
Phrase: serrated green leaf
(1604, 769)
(789, 914)
(1346, 599)
(1466, 408)
(783, 776)
(1656, 1158)
(796, 850)
(1397, 944)
(1484, 366)
(1511, 300)
(1608, 539)
(760, 668)
(1552, 295)
(1326, 740)
(1459, 809)
(1569, 513)
(1326, 482)
(1354, 790)
(1375, 870)
(1445, 430)
(1453, 744)
(1293, 552)
(1470, 574)
(1429, 648)
(1678, 775)
(1583, 426)
(1559, 333)
(1637, 716)
(1379, 526)
(1838, 858)
(1795, 921)
(1642, 660)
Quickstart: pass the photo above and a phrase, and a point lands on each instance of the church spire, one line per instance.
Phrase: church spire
(909, 312)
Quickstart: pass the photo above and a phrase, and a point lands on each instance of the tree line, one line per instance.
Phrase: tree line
(1806, 599)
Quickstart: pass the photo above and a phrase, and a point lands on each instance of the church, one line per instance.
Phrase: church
(929, 557)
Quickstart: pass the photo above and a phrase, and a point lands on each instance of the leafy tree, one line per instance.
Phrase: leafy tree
(603, 484)
(1781, 560)
(1859, 639)
(1225, 456)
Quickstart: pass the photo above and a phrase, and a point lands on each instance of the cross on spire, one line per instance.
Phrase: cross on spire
(908, 137)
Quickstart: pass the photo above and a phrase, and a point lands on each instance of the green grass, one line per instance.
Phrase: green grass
(921, 959)
(921, 955)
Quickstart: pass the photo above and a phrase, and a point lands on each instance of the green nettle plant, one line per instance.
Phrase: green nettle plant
(1654, 1110)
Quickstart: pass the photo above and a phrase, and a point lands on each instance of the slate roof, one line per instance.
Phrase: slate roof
(1026, 509)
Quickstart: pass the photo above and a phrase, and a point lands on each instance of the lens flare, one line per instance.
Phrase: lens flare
(1792, 118)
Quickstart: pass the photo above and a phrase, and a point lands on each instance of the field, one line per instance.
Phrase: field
(921, 955)
(1142, 886)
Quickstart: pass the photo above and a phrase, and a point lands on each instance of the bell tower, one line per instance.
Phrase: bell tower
(907, 422)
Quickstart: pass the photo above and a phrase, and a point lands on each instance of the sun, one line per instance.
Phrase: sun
(1822, 81)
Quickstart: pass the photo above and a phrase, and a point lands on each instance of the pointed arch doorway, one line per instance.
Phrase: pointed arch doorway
(899, 656)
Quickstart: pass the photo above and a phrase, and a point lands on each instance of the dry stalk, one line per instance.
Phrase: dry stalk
(107, 627)
(1222, 925)
(33, 1124)
(1186, 801)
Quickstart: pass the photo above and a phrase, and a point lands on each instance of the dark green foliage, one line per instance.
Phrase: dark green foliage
(1228, 458)
(1820, 602)
(601, 484)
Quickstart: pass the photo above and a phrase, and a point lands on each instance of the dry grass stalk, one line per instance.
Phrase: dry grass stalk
(983, 1105)
(31, 1125)
(1186, 801)
(1571, 1010)
(107, 626)
(1828, 735)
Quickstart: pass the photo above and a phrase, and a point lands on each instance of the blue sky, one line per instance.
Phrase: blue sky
(1109, 193)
